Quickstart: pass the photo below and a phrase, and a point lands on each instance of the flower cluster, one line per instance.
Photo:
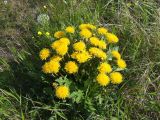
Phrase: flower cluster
(88, 43)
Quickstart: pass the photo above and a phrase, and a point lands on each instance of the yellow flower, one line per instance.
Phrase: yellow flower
(102, 44)
(44, 53)
(71, 67)
(94, 41)
(64, 41)
(73, 55)
(103, 79)
(116, 77)
(98, 43)
(55, 44)
(56, 58)
(62, 92)
(83, 26)
(102, 30)
(104, 68)
(59, 43)
(112, 38)
(47, 34)
(98, 53)
(81, 57)
(59, 34)
(87, 26)
(79, 46)
(51, 67)
(90, 26)
(62, 50)
(85, 33)
(121, 63)
(116, 54)
(39, 33)
(70, 29)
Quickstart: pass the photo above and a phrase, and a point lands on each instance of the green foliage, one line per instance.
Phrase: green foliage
(11, 105)
(77, 96)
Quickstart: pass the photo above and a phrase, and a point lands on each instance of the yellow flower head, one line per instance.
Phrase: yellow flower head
(71, 67)
(73, 55)
(61, 42)
(83, 26)
(98, 53)
(64, 41)
(102, 30)
(55, 44)
(44, 53)
(94, 41)
(104, 68)
(85, 33)
(90, 26)
(59, 34)
(116, 54)
(116, 77)
(87, 26)
(98, 43)
(62, 92)
(112, 38)
(102, 44)
(121, 63)
(81, 57)
(79, 46)
(103, 79)
(70, 29)
(47, 34)
(56, 58)
(62, 50)
(39, 33)
(51, 67)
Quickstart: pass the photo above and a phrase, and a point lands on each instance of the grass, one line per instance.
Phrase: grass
(24, 95)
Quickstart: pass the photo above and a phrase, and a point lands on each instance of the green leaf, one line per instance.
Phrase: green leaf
(114, 118)
(64, 81)
(100, 99)
(89, 105)
(77, 96)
